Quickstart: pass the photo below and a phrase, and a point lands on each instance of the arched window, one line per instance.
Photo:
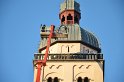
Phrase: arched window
(56, 79)
(69, 17)
(86, 79)
(76, 19)
(49, 79)
(68, 48)
(79, 79)
(63, 18)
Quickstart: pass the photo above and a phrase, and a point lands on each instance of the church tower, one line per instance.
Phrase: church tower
(75, 58)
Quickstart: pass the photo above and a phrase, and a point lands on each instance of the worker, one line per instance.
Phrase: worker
(43, 28)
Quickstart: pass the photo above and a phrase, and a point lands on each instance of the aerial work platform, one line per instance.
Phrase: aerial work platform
(55, 35)
(45, 32)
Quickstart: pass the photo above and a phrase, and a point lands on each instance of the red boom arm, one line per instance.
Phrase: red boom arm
(41, 63)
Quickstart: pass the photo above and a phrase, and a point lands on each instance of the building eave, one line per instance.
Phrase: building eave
(72, 41)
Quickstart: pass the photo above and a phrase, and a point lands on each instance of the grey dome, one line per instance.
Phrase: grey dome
(75, 34)
(89, 38)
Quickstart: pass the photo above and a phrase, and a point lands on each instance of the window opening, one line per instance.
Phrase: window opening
(79, 79)
(63, 18)
(49, 79)
(56, 79)
(76, 19)
(69, 17)
(86, 79)
(68, 48)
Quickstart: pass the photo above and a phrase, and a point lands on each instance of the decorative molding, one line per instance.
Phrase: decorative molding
(88, 66)
(51, 66)
(67, 46)
(58, 66)
(72, 46)
(81, 66)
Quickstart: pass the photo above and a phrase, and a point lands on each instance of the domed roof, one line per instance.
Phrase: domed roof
(75, 34)
(89, 38)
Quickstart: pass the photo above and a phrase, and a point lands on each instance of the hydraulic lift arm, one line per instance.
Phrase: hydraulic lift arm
(41, 63)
